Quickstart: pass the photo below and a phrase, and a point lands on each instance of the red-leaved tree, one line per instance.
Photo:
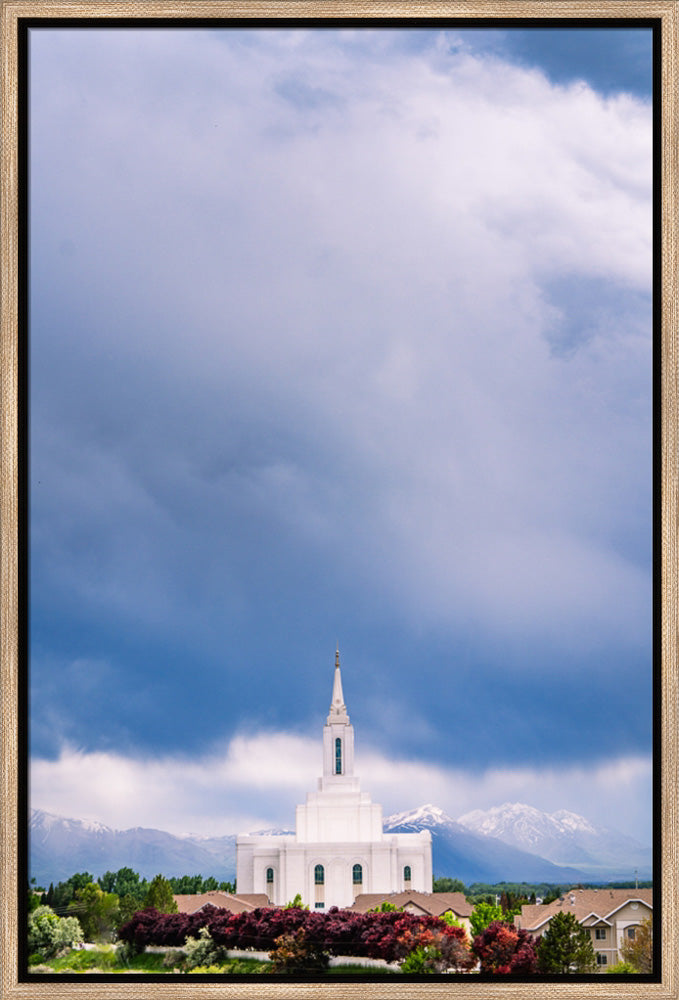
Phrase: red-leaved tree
(504, 950)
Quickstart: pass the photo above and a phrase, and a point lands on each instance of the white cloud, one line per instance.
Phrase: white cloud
(256, 780)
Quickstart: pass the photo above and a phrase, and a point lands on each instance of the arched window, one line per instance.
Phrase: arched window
(269, 875)
(319, 875)
(338, 756)
(357, 875)
(407, 874)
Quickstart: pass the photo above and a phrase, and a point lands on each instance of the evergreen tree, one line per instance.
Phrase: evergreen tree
(160, 896)
(566, 946)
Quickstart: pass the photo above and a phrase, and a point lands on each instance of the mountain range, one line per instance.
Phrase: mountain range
(512, 842)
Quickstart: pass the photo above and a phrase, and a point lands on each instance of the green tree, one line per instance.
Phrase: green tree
(186, 885)
(553, 893)
(49, 933)
(97, 911)
(566, 946)
(449, 885)
(639, 951)
(35, 896)
(127, 907)
(64, 892)
(228, 887)
(483, 915)
(124, 882)
(159, 896)
(451, 920)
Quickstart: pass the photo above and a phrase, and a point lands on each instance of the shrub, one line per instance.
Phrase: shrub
(624, 968)
(503, 950)
(296, 904)
(297, 952)
(203, 951)
(337, 932)
(48, 933)
(432, 949)
(421, 960)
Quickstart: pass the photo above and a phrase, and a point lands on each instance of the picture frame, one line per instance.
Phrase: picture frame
(13, 593)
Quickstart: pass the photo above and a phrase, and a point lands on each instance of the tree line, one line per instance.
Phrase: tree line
(104, 904)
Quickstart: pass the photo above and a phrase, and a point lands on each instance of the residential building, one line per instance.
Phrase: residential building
(190, 903)
(433, 904)
(611, 916)
(338, 850)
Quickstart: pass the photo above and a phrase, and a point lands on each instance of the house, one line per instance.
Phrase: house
(338, 850)
(611, 916)
(433, 904)
(190, 903)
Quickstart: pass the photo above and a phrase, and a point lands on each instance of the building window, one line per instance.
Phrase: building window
(319, 875)
(269, 876)
(631, 933)
(338, 756)
(357, 875)
(601, 959)
(407, 875)
(319, 906)
(600, 933)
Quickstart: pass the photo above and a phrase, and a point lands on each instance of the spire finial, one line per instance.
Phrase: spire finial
(338, 710)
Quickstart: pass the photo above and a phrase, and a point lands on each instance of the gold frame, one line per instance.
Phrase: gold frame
(667, 12)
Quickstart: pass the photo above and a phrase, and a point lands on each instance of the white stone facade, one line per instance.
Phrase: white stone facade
(338, 850)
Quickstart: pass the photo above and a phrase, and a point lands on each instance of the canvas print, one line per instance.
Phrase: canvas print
(341, 445)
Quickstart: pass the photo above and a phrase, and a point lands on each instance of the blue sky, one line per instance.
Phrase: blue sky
(340, 335)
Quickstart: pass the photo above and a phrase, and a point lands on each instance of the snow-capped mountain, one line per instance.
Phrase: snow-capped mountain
(562, 837)
(512, 842)
(461, 853)
(58, 847)
(524, 826)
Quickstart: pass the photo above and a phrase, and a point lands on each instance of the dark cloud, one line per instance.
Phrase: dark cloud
(385, 379)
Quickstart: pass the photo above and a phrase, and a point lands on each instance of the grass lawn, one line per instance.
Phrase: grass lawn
(104, 960)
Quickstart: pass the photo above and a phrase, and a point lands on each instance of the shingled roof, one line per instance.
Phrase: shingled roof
(583, 903)
(433, 903)
(216, 897)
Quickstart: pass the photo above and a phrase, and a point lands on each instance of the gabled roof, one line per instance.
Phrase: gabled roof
(593, 919)
(585, 904)
(432, 903)
(223, 900)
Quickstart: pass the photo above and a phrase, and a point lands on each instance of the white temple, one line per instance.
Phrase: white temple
(339, 849)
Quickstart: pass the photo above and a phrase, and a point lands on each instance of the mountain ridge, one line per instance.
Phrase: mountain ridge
(59, 847)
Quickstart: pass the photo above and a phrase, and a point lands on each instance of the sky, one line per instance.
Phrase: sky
(340, 336)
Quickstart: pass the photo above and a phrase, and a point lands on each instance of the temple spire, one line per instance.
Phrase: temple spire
(338, 710)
